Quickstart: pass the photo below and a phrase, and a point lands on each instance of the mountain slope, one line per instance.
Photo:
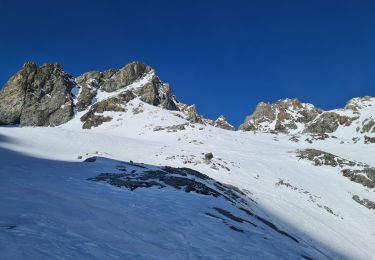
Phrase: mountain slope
(67, 215)
(316, 188)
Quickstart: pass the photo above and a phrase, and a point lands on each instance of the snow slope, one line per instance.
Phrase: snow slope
(53, 211)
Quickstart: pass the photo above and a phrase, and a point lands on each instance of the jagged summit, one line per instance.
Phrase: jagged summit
(293, 117)
(48, 96)
(286, 115)
(261, 194)
(37, 96)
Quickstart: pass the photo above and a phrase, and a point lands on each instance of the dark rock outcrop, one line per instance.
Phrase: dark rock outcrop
(37, 96)
(114, 80)
(12, 97)
(369, 140)
(364, 202)
(355, 171)
(291, 116)
(328, 122)
(221, 122)
(114, 104)
(89, 84)
(193, 116)
(153, 91)
(156, 93)
(282, 116)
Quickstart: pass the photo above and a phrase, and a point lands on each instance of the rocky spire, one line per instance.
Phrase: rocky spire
(221, 122)
(37, 96)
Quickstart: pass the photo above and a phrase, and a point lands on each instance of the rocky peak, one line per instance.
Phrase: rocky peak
(193, 115)
(221, 122)
(37, 96)
(292, 116)
(285, 115)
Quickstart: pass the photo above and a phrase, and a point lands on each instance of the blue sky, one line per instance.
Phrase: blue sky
(224, 56)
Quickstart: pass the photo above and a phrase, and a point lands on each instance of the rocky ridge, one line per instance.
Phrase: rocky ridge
(47, 96)
(37, 96)
(291, 116)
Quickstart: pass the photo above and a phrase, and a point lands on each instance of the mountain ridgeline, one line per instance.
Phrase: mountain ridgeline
(48, 96)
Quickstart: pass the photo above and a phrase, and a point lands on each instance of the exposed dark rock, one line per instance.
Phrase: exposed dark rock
(221, 122)
(89, 84)
(95, 121)
(368, 126)
(153, 92)
(160, 179)
(369, 140)
(328, 122)
(283, 115)
(117, 79)
(292, 116)
(193, 116)
(364, 202)
(362, 174)
(116, 104)
(156, 93)
(208, 156)
(37, 96)
(286, 184)
(323, 158)
(175, 128)
(12, 96)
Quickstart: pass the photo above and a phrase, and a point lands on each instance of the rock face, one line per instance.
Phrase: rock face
(221, 122)
(114, 80)
(89, 83)
(108, 81)
(12, 97)
(47, 96)
(293, 117)
(114, 104)
(131, 81)
(156, 93)
(283, 116)
(328, 122)
(37, 96)
(193, 116)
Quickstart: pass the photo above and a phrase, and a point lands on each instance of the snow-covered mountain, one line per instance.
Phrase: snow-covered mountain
(125, 170)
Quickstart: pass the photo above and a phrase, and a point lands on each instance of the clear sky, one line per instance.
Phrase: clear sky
(224, 56)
